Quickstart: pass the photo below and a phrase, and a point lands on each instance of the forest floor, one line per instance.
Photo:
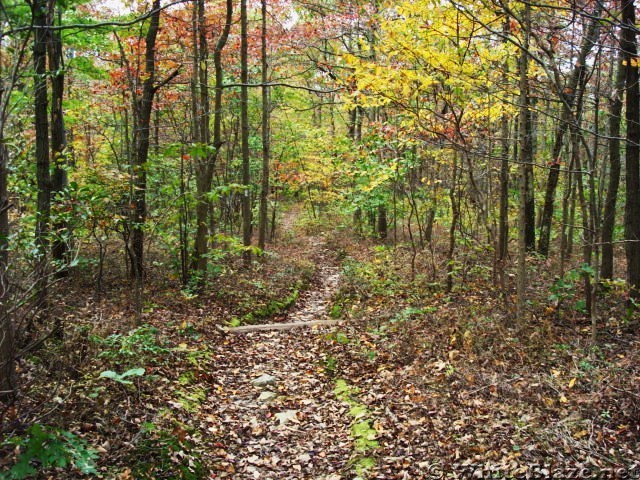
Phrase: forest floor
(413, 382)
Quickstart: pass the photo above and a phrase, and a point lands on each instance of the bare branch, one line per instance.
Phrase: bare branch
(281, 84)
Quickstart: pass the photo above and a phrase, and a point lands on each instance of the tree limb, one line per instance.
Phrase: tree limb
(281, 84)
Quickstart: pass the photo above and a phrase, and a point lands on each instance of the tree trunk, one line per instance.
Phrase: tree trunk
(503, 222)
(502, 249)
(7, 346)
(632, 154)
(43, 176)
(566, 215)
(382, 227)
(568, 97)
(266, 143)
(351, 123)
(244, 129)
(59, 179)
(530, 205)
(143, 105)
(525, 159)
(609, 216)
(219, 78)
(204, 159)
(454, 198)
(587, 213)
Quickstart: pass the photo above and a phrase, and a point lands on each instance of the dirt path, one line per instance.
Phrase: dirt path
(312, 306)
(302, 432)
(272, 408)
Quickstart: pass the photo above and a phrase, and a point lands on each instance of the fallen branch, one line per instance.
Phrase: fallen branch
(278, 326)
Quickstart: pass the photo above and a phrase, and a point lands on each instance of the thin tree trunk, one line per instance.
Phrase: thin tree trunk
(530, 205)
(503, 222)
(455, 215)
(266, 143)
(564, 235)
(592, 283)
(58, 146)
(502, 249)
(7, 343)
(569, 94)
(244, 129)
(43, 176)
(609, 216)
(183, 225)
(572, 218)
(525, 159)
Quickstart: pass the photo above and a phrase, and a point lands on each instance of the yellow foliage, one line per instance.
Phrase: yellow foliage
(429, 56)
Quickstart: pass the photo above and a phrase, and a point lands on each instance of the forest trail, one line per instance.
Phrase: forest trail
(272, 408)
(311, 308)
(272, 411)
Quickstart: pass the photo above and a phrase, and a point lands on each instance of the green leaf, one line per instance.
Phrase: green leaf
(137, 372)
(109, 374)
(122, 378)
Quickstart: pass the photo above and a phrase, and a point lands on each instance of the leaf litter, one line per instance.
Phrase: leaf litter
(435, 392)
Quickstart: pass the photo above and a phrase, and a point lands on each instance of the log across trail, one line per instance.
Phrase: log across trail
(279, 326)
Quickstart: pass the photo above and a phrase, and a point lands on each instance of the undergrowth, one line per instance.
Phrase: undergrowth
(464, 345)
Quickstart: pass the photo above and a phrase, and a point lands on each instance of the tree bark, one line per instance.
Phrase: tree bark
(454, 198)
(43, 176)
(502, 249)
(266, 141)
(525, 158)
(7, 344)
(205, 158)
(632, 154)
(530, 204)
(609, 215)
(244, 133)
(41, 103)
(143, 105)
(382, 226)
(59, 179)
(503, 222)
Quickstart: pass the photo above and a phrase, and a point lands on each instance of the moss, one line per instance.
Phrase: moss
(192, 399)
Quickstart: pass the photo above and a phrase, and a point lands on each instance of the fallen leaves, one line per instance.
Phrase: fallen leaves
(469, 395)
(287, 416)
